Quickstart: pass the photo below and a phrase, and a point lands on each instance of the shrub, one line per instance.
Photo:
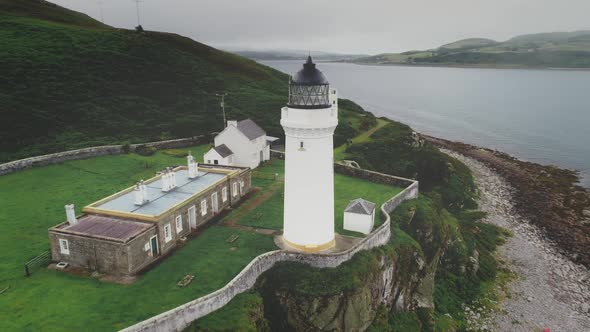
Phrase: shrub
(145, 150)
(175, 153)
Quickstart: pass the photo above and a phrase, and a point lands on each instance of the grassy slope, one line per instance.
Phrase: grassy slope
(69, 81)
(569, 50)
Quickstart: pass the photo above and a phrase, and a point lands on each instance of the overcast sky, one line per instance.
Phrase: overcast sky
(349, 26)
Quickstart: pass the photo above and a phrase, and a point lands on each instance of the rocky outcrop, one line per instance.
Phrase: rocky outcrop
(396, 278)
(548, 196)
(398, 282)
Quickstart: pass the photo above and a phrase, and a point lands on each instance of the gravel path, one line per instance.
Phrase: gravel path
(551, 292)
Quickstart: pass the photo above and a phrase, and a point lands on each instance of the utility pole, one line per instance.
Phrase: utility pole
(137, 8)
(222, 95)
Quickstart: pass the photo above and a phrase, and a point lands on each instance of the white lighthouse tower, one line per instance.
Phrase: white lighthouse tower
(309, 121)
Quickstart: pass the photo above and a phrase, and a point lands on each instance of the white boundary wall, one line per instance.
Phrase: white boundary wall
(60, 157)
(181, 317)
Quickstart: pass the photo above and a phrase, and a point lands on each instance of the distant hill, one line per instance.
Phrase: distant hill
(69, 81)
(296, 55)
(543, 50)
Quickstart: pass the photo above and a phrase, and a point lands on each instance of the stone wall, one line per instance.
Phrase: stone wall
(181, 317)
(60, 157)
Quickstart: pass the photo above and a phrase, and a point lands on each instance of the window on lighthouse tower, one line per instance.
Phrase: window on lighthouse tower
(301, 148)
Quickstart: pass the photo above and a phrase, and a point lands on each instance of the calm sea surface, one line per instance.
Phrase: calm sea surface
(537, 115)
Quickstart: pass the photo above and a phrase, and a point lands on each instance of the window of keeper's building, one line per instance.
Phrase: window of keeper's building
(234, 188)
(167, 233)
(203, 207)
(178, 223)
(64, 246)
(224, 194)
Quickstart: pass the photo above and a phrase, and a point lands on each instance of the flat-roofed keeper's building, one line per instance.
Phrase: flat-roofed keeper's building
(124, 233)
(241, 143)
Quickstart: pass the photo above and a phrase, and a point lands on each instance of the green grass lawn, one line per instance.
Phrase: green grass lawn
(270, 213)
(32, 201)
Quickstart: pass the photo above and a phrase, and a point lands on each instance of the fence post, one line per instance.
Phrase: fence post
(27, 270)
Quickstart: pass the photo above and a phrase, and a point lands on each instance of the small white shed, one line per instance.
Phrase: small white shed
(359, 216)
(219, 155)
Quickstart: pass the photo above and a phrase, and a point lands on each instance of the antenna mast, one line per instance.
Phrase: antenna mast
(222, 95)
(100, 7)
(137, 9)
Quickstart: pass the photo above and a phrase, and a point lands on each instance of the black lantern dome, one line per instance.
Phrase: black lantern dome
(309, 88)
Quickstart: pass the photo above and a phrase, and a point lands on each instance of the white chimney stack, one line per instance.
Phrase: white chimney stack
(138, 195)
(71, 214)
(193, 166)
(168, 180)
(144, 192)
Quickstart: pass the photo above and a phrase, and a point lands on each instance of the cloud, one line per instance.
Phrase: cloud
(368, 26)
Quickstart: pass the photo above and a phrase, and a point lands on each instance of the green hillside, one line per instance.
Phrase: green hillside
(543, 50)
(69, 81)
(470, 43)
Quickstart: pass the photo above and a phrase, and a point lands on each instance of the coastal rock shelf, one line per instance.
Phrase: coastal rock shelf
(551, 291)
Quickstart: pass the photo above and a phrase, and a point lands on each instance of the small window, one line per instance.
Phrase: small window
(241, 187)
(216, 162)
(64, 246)
(203, 207)
(234, 188)
(167, 233)
(208, 161)
(224, 194)
(178, 224)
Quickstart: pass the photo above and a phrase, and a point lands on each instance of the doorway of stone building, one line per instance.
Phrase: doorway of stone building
(214, 203)
(192, 217)
(154, 245)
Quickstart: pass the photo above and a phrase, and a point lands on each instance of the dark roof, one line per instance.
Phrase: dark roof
(309, 75)
(223, 150)
(360, 206)
(250, 129)
(108, 228)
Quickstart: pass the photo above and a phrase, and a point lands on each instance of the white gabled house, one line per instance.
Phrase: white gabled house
(241, 143)
(359, 216)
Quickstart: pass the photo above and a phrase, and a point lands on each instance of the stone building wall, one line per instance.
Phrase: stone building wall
(137, 256)
(93, 254)
(181, 317)
(60, 157)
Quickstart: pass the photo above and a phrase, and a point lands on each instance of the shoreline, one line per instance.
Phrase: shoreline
(466, 66)
(550, 197)
(549, 290)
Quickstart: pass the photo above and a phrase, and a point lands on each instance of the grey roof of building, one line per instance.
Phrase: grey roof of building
(160, 201)
(250, 129)
(360, 206)
(223, 150)
(108, 228)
